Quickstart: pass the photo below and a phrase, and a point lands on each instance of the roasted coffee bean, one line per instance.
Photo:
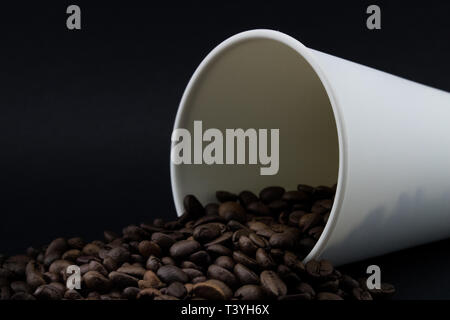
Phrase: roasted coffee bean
(224, 239)
(149, 248)
(309, 220)
(264, 259)
(294, 217)
(322, 192)
(278, 205)
(168, 261)
(192, 273)
(319, 269)
(177, 289)
(224, 196)
(225, 262)
(135, 233)
(231, 210)
(295, 196)
(249, 292)
(207, 232)
(361, 294)
(170, 274)
(282, 240)
(193, 207)
(200, 258)
(328, 296)
(163, 240)
(240, 257)
(222, 274)
(386, 290)
(272, 284)
(218, 250)
(184, 248)
(247, 246)
(132, 270)
(95, 281)
(247, 197)
(270, 194)
(211, 209)
(259, 208)
(130, 293)
(212, 290)
(245, 275)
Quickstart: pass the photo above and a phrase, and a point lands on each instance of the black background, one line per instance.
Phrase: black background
(86, 116)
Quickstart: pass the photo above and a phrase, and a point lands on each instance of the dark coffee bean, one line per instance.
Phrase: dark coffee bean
(225, 262)
(170, 274)
(234, 225)
(328, 296)
(135, 233)
(119, 254)
(361, 294)
(130, 293)
(222, 274)
(163, 240)
(306, 189)
(97, 266)
(319, 269)
(184, 248)
(296, 296)
(153, 263)
(72, 294)
(132, 270)
(258, 241)
(91, 249)
(282, 240)
(305, 288)
(272, 284)
(278, 206)
(249, 292)
(71, 254)
(270, 194)
(245, 275)
(211, 209)
(240, 257)
(292, 261)
(168, 261)
(177, 289)
(260, 228)
(306, 245)
(316, 232)
(348, 283)
(200, 258)
(294, 217)
(95, 281)
(193, 207)
(55, 250)
(199, 279)
(122, 280)
(190, 264)
(386, 290)
(259, 208)
(224, 239)
(150, 280)
(192, 273)
(20, 286)
(209, 219)
(22, 296)
(247, 246)
(212, 290)
(295, 196)
(149, 248)
(247, 197)
(264, 259)
(207, 232)
(329, 286)
(232, 211)
(148, 294)
(224, 196)
(218, 250)
(323, 192)
(309, 220)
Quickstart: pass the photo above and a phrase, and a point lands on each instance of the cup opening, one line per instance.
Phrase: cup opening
(262, 79)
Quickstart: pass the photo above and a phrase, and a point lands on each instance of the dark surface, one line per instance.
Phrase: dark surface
(86, 116)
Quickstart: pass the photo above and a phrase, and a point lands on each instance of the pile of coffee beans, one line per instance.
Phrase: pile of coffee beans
(245, 247)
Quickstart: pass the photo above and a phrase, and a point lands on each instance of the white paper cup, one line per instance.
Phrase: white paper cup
(384, 139)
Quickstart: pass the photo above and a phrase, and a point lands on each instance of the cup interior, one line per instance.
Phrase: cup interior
(260, 83)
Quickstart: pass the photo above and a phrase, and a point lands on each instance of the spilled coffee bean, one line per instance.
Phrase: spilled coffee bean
(244, 247)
